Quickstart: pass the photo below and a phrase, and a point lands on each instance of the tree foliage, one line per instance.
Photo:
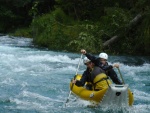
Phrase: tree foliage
(74, 24)
(15, 13)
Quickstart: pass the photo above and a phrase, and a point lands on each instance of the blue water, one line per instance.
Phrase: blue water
(37, 80)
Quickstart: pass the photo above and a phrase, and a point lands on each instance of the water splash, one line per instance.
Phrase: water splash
(34, 80)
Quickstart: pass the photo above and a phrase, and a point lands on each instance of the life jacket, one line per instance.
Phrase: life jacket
(101, 81)
(95, 71)
(98, 78)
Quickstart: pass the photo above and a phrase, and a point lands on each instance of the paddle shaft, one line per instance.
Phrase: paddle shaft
(121, 75)
(79, 64)
(74, 78)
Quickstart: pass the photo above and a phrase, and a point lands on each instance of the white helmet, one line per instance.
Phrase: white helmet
(86, 60)
(103, 55)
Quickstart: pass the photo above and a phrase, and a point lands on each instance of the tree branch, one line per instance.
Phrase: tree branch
(132, 24)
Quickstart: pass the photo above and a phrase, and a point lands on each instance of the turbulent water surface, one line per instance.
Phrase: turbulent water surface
(37, 81)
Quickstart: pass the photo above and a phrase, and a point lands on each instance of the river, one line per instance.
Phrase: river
(36, 80)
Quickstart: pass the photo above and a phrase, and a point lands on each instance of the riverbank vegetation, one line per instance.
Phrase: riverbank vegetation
(116, 27)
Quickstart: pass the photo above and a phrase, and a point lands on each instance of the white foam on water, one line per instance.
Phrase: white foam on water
(23, 62)
(140, 95)
(29, 101)
(66, 69)
(19, 60)
(134, 72)
(127, 68)
(39, 97)
(35, 95)
(7, 58)
(39, 68)
(50, 58)
(19, 69)
(141, 108)
(29, 105)
(75, 101)
(8, 81)
(143, 68)
(24, 85)
(15, 41)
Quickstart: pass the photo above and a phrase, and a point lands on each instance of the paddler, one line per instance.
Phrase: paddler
(94, 75)
(103, 64)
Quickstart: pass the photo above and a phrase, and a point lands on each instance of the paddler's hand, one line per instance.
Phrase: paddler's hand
(83, 51)
(73, 81)
(116, 65)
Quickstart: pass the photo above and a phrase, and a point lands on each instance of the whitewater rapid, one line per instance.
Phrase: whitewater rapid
(37, 80)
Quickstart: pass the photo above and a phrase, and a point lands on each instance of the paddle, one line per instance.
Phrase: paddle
(74, 79)
(121, 75)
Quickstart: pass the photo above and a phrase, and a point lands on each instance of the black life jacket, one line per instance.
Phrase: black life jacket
(94, 72)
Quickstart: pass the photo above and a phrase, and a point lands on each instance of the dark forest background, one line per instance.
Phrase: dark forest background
(113, 26)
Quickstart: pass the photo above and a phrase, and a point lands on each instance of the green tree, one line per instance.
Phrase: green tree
(15, 13)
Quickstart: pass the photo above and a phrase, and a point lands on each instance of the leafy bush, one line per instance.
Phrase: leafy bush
(51, 31)
(23, 32)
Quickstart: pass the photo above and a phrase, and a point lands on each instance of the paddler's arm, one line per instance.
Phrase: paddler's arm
(89, 56)
(82, 81)
(108, 67)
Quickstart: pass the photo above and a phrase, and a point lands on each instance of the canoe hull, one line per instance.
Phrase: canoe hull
(96, 96)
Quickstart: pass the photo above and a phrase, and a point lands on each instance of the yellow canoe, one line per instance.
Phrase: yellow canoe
(98, 96)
